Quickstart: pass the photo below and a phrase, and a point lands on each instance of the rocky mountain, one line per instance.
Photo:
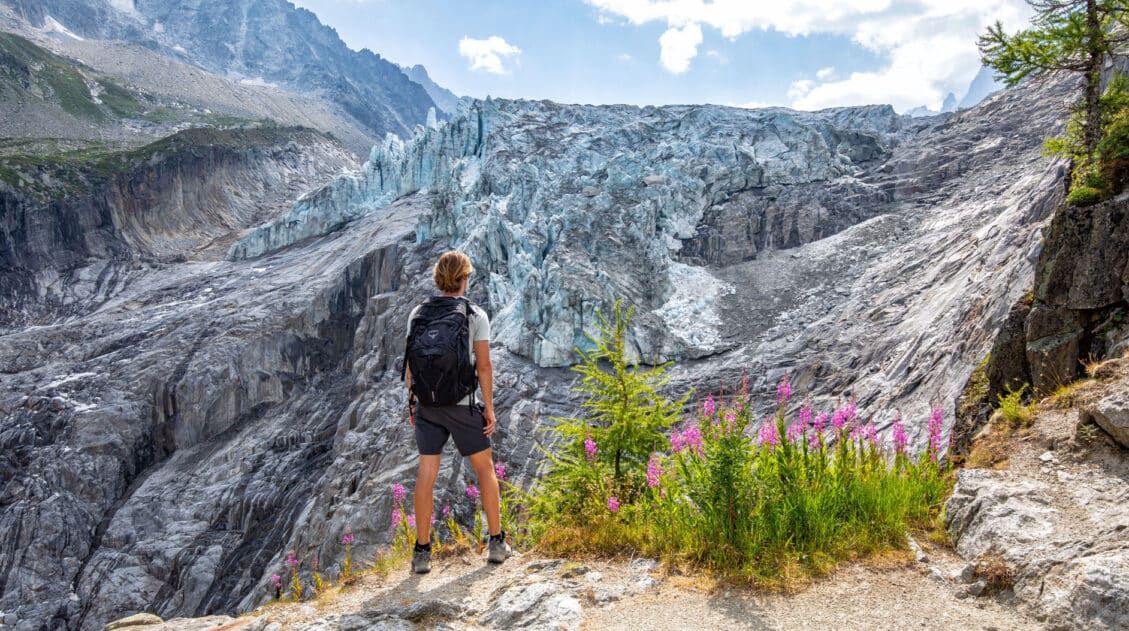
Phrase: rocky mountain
(190, 388)
(983, 85)
(444, 99)
(263, 42)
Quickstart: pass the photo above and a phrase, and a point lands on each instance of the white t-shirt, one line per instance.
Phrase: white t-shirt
(479, 332)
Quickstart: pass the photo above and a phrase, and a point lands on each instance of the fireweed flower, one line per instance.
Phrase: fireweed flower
(709, 407)
(397, 516)
(783, 390)
(730, 421)
(872, 434)
(819, 423)
(814, 440)
(851, 409)
(692, 437)
(399, 493)
(936, 422)
(472, 492)
(590, 448)
(291, 559)
(613, 504)
(677, 443)
(348, 538)
(839, 419)
(446, 511)
(654, 471)
(795, 432)
(412, 520)
(769, 435)
(898, 433)
(804, 417)
(500, 470)
(276, 580)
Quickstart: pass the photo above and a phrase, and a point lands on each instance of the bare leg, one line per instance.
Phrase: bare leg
(425, 485)
(483, 464)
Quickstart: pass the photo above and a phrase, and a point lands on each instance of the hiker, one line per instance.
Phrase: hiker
(446, 359)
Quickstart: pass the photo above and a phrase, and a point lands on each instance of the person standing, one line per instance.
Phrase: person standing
(446, 360)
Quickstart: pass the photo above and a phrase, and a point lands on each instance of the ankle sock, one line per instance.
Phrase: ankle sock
(425, 547)
(501, 536)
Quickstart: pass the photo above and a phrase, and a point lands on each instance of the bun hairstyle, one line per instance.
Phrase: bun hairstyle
(450, 271)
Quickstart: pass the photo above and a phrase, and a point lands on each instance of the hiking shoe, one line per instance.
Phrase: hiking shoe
(421, 561)
(499, 550)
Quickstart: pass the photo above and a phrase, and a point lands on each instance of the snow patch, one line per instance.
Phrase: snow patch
(158, 27)
(691, 310)
(51, 25)
(125, 6)
(180, 49)
(258, 81)
(60, 380)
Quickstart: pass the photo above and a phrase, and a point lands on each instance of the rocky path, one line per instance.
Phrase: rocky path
(1053, 506)
(526, 592)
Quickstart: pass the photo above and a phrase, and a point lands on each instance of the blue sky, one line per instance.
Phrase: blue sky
(799, 53)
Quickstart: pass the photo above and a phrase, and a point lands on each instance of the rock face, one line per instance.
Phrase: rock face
(168, 441)
(71, 233)
(261, 41)
(1077, 311)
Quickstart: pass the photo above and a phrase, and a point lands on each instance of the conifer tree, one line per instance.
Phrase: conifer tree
(1065, 35)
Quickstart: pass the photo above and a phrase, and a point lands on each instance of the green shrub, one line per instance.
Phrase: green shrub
(793, 499)
(1084, 196)
(1013, 409)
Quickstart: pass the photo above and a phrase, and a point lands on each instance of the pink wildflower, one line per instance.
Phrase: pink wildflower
(819, 423)
(276, 580)
(397, 516)
(399, 493)
(936, 424)
(871, 434)
(730, 421)
(677, 443)
(590, 448)
(795, 432)
(815, 440)
(709, 407)
(348, 538)
(804, 417)
(446, 511)
(654, 471)
(291, 559)
(839, 419)
(769, 435)
(412, 520)
(613, 504)
(783, 390)
(500, 470)
(472, 492)
(899, 436)
(692, 436)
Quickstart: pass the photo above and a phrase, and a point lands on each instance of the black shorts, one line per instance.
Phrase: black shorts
(434, 424)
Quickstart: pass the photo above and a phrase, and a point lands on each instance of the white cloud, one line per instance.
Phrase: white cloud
(679, 46)
(488, 54)
(717, 56)
(800, 89)
(625, 58)
(823, 74)
(928, 47)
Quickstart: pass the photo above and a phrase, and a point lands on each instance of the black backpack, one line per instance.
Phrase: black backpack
(438, 352)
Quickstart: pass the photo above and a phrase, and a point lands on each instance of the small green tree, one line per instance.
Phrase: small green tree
(1065, 35)
(604, 451)
(625, 413)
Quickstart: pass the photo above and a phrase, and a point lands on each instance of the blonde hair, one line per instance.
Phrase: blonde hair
(450, 271)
